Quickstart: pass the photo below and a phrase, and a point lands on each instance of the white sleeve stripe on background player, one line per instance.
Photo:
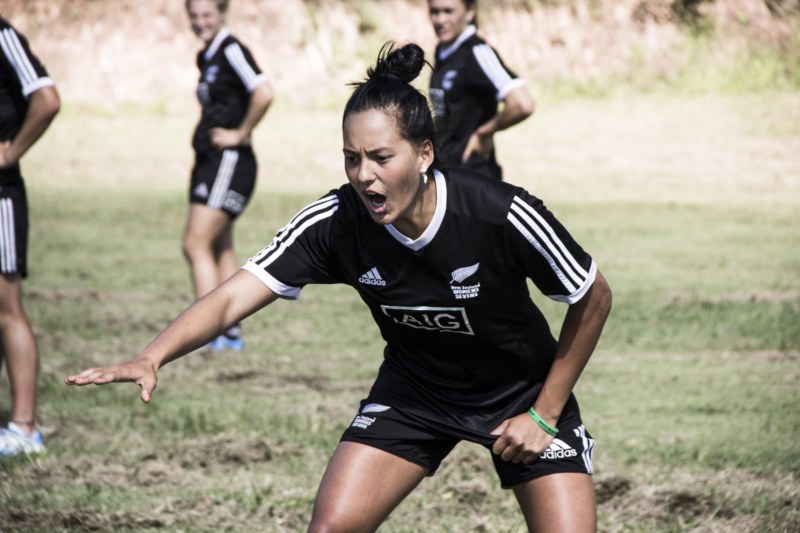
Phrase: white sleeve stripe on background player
(15, 53)
(568, 270)
(222, 182)
(8, 245)
(319, 210)
(239, 63)
(491, 66)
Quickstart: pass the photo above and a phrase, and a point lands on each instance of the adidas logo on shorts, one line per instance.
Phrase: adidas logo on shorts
(558, 450)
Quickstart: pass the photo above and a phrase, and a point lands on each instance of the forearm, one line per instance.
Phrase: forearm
(226, 305)
(580, 332)
(517, 106)
(43, 106)
(260, 100)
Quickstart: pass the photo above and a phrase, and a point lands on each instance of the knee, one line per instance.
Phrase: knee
(332, 523)
(322, 526)
(193, 247)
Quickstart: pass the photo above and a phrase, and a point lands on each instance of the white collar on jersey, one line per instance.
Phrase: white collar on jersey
(214, 46)
(468, 32)
(436, 222)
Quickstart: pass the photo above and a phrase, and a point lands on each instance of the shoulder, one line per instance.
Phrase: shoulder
(232, 43)
(472, 195)
(338, 204)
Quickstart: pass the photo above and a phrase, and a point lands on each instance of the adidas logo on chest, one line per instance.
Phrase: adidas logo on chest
(372, 277)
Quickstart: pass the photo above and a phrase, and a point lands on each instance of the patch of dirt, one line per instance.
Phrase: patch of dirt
(610, 488)
(221, 450)
(75, 520)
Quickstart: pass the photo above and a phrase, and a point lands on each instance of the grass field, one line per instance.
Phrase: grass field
(691, 207)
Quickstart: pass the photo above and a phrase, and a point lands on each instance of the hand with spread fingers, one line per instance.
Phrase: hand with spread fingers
(139, 371)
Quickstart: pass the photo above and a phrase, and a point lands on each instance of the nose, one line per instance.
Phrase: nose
(364, 175)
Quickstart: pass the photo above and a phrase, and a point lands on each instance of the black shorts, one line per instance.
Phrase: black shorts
(13, 225)
(427, 443)
(224, 179)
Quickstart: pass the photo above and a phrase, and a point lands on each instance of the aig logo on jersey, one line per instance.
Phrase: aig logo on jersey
(461, 291)
(442, 319)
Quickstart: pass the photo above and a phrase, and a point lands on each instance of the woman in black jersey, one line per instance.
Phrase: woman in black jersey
(469, 80)
(442, 260)
(234, 95)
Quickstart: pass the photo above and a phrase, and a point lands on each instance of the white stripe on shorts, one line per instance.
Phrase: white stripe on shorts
(588, 448)
(219, 191)
(8, 244)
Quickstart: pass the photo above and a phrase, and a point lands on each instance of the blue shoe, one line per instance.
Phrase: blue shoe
(14, 441)
(223, 342)
(215, 345)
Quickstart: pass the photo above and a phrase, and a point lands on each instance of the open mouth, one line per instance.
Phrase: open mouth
(376, 200)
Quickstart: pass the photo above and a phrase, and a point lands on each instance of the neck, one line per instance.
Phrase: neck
(420, 213)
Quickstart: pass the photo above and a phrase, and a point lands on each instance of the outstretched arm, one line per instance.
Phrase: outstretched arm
(260, 100)
(43, 106)
(236, 299)
(517, 106)
(521, 439)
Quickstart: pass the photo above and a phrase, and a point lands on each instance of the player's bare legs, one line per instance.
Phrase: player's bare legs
(226, 259)
(361, 486)
(559, 503)
(19, 351)
(206, 230)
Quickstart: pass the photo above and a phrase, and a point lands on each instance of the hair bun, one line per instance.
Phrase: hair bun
(402, 64)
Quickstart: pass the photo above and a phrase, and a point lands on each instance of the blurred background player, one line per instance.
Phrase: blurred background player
(28, 103)
(234, 95)
(468, 82)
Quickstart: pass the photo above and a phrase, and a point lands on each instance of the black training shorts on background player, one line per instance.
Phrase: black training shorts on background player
(13, 224)
(426, 443)
(224, 179)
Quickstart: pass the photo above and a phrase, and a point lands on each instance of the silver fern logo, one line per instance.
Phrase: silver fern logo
(460, 291)
(460, 274)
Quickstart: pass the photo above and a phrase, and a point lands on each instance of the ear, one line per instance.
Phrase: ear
(471, 13)
(425, 154)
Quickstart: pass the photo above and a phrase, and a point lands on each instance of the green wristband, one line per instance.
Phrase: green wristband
(542, 424)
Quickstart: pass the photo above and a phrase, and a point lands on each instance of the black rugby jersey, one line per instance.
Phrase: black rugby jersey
(21, 74)
(468, 81)
(228, 74)
(453, 305)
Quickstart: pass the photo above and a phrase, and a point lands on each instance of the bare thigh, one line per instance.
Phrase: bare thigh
(361, 487)
(559, 503)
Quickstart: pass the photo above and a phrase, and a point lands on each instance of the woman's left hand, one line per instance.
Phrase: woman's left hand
(478, 144)
(520, 440)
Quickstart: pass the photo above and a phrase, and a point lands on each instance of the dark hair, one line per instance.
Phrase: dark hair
(222, 5)
(387, 88)
(472, 4)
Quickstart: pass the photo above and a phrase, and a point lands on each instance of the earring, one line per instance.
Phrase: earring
(424, 176)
